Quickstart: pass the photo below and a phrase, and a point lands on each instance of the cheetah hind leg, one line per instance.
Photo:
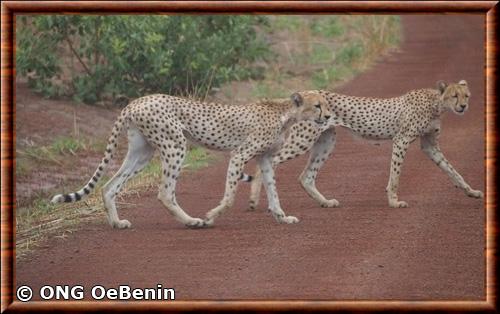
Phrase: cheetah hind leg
(320, 152)
(139, 154)
(255, 189)
(322, 148)
(171, 167)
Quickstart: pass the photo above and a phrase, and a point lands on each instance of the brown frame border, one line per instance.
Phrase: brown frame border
(10, 8)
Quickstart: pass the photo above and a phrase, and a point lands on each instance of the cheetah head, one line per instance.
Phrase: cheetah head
(455, 96)
(310, 105)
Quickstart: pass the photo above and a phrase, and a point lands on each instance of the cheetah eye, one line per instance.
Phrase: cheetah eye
(455, 96)
(317, 106)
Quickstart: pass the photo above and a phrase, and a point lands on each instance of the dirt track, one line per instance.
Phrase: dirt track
(363, 250)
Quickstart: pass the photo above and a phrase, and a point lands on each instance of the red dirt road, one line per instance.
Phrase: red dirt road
(433, 250)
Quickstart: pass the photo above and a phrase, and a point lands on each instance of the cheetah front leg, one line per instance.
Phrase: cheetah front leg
(399, 147)
(303, 136)
(429, 145)
(320, 152)
(272, 194)
(255, 188)
(236, 164)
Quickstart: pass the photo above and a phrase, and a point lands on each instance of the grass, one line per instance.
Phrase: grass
(60, 153)
(22, 167)
(328, 26)
(31, 156)
(264, 90)
(322, 79)
(67, 145)
(350, 52)
(360, 39)
(41, 219)
(198, 158)
(311, 52)
(322, 52)
(54, 153)
(285, 22)
(36, 222)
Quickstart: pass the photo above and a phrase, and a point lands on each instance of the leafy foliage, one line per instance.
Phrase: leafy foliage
(103, 57)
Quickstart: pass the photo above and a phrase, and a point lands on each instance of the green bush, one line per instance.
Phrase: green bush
(92, 58)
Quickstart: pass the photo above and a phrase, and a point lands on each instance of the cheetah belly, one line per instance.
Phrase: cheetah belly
(217, 142)
(371, 139)
(372, 131)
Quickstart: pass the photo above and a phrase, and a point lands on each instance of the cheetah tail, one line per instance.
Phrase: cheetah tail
(120, 125)
(245, 177)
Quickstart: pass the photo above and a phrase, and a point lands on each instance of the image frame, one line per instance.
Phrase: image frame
(8, 257)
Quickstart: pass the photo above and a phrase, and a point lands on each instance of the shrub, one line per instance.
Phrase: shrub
(92, 58)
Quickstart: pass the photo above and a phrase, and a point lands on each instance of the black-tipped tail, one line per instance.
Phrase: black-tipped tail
(245, 177)
(71, 197)
(118, 128)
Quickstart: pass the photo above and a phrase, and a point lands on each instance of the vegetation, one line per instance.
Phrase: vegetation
(56, 153)
(321, 52)
(92, 58)
(101, 58)
(367, 38)
(40, 218)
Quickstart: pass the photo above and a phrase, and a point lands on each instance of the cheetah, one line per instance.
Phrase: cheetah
(402, 119)
(165, 123)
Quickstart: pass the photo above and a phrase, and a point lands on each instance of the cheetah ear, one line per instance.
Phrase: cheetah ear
(441, 85)
(463, 83)
(297, 99)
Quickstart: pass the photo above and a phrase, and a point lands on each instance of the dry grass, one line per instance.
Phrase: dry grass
(41, 219)
(35, 223)
(310, 52)
(37, 219)
(317, 52)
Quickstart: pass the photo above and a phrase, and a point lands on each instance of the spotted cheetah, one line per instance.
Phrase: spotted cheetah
(402, 119)
(165, 123)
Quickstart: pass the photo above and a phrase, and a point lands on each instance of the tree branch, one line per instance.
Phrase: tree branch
(77, 56)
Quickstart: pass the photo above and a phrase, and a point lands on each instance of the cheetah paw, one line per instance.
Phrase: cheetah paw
(121, 224)
(196, 223)
(251, 206)
(289, 220)
(398, 204)
(209, 222)
(330, 203)
(475, 194)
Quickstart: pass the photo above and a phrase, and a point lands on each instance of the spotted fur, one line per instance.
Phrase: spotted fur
(402, 119)
(165, 123)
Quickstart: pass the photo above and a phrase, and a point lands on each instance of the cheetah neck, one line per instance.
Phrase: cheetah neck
(289, 116)
(288, 124)
(286, 118)
(439, 107)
